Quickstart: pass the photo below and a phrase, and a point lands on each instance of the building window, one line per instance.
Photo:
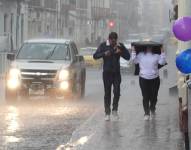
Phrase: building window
(83, 4)
(38, 15)
(35, 3)
(22, 28)
(12, 23)
(50, 4)
(5, 23)
(39, 27)
(72, 2)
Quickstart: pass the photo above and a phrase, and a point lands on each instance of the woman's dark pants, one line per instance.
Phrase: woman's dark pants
(149, 90)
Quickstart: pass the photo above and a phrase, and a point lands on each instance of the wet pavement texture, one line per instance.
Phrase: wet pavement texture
(41, 124)
(44, 124)
(131, 132)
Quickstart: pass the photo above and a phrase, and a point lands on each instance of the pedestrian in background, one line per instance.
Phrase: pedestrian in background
(149, 80)
(111, 51)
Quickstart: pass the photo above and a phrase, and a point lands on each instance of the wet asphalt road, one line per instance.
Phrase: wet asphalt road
(41, 123)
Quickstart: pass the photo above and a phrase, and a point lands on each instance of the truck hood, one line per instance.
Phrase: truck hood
(40, 65)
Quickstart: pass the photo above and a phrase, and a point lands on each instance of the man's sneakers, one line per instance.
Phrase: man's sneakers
(150, 117)
(146, 117)
(153, 114)
(107, 117)
(115, 115)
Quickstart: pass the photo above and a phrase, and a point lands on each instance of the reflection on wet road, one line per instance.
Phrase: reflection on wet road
(41, 125)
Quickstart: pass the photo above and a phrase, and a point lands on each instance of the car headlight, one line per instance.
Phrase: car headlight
(13, 83)
(13, 80)
(14, 73)
(63, 75)
(64, 85)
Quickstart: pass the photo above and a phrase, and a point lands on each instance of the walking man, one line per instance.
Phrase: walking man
(111, 51)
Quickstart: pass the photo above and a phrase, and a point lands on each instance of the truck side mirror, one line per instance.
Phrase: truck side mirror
(10, 56)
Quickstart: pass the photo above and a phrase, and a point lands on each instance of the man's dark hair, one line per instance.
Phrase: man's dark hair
(113, 35)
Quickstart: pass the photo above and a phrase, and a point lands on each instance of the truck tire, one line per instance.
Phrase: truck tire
(11, 96)
(83, 85)
(78, 90)
(24, 94)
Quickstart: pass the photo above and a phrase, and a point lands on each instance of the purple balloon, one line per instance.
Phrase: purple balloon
(182, 28)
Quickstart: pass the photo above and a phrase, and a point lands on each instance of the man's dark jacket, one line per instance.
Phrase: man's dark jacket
(111, 63)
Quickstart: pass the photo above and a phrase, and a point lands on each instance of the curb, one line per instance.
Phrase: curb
(84, 133)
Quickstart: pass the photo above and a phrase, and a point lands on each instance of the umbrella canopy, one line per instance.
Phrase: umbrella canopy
(142, 46)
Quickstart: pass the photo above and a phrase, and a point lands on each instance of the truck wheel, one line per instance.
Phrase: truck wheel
(24, 94)
(62, 96)
(83, 90)
(11, 96)
(83, 87)
(78, 90)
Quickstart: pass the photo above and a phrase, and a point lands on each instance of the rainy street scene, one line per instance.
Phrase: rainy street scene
(95, 74)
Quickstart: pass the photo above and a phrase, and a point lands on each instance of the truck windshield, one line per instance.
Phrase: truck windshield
(44, 51)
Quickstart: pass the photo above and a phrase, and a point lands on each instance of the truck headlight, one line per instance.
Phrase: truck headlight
(13, 83)
(13, 80)
(14, 73)
(63, 75)
(64, 85)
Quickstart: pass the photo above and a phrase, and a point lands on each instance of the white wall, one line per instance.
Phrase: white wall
(10, 9)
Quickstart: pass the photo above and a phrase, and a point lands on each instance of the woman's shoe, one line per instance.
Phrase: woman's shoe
(146, 117)
(107, 117)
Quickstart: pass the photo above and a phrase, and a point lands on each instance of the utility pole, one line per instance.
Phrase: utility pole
(17, 22)
(184, 10)
(57, 17)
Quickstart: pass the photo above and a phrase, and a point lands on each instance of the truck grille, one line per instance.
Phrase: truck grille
(38, 74)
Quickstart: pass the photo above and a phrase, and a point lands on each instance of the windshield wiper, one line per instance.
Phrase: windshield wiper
(40, 61)
(51, 53)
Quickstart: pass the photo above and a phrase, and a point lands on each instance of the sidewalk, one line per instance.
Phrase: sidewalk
(131, 132)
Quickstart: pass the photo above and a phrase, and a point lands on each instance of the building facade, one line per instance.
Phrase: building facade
(92, 20)
(13, 22)
(84, 21)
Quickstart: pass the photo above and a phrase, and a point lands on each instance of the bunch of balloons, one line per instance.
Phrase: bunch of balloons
(183, 61)
(182, 31)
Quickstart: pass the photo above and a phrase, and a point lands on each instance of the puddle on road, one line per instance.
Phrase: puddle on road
(12, 119)
(72, 146)
(12, 126)
(11, 139)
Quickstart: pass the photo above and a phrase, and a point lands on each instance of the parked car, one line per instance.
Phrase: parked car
(87, 53)
(46, 66)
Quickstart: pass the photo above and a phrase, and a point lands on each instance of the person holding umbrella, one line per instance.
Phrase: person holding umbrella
(149, 59)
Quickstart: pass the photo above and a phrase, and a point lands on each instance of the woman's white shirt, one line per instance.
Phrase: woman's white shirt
(148, 63)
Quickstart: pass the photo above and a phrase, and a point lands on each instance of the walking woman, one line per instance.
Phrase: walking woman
(149, 80)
